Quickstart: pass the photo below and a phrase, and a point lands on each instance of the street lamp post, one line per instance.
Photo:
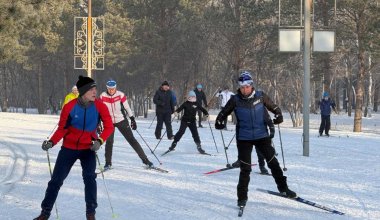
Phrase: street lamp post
(306, 78)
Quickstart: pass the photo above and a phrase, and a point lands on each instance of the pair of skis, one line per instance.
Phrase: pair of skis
(166, 152)
(154, 168)
(224, 169)
(297, 199)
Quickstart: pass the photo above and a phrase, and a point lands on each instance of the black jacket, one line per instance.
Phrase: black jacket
(200, 97)
(163, 100)
(191, 109)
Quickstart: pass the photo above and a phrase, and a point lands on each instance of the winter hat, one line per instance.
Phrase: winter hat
(191, 97)
(165, 83)
(245, 79)
(325, 94)
(199, 86)
(111, 84)
(191, 94)
(84, 84)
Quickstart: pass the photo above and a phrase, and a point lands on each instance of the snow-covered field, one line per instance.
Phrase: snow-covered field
(342, 172)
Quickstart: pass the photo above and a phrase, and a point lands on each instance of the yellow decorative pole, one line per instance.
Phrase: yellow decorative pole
(89, 41)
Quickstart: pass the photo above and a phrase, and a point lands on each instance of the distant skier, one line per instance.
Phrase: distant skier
(118, 107)
(72, 95)
(251, 129)
(77, 126)
(224, 96)
(325, 105)
(201, 97)
(190, 108)
(163, 98)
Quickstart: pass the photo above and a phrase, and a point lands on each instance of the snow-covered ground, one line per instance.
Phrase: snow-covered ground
(342, 172)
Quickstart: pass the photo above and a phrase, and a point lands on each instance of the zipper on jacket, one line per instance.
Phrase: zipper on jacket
(84, 125)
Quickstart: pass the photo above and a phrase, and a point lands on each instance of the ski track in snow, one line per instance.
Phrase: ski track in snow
(16, 168)
(365, 209)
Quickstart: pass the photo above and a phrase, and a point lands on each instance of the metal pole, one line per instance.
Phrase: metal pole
(89, 40)
(306, 81)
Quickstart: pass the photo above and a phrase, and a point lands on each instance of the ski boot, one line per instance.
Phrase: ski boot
(174, 144)
(289, 193)
(90, 216)
(236, 164)
(42, 217)
(200, 150)
(147, 162)
(241, 203)
(108, 166)
(263, 170)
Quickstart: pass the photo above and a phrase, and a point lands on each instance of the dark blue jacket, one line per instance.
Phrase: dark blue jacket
(326, 105)
(164, 101)
(251, 114)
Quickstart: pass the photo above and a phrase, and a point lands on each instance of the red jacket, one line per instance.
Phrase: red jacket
(77, 125)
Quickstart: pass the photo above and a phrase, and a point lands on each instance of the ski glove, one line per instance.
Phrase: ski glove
(46, 145)
(278, 119)
(96, 145)
(133, 123)
(219, 123)
(271, 134)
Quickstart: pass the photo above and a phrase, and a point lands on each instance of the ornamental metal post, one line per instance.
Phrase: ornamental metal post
(89, 42)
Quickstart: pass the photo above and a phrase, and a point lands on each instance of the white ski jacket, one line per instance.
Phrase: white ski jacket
(114, 103)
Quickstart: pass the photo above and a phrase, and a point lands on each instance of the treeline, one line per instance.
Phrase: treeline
(187, 42)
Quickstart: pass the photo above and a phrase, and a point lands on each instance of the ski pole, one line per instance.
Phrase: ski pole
(152, 121)
(148, 147)
(231, 140)
(51, 173)
(212, 133)
(51, 176)
(282, 151)
(105, 186)
(225, 149)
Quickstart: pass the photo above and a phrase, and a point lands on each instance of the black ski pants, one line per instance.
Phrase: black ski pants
(193, 128)
(199, 117)
(325, 124)
(167, 119)
(126, 131)
(244, 155)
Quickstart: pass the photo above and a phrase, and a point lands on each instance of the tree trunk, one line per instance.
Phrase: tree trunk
(359, 92)
(41, 106)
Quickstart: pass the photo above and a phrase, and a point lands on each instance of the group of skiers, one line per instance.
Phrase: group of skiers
(86, 122)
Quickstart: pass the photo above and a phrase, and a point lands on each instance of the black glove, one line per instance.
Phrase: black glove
(46, 145)
(278, 119)
(271, 134)
(219, 123)
(133, 123)
(96, 145)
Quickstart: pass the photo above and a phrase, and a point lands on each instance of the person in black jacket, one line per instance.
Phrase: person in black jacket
(190, 108)
(201, 97)
(164, 109)
(251, 130)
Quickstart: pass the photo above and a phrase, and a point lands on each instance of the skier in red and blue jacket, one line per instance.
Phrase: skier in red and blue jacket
(77, 126)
